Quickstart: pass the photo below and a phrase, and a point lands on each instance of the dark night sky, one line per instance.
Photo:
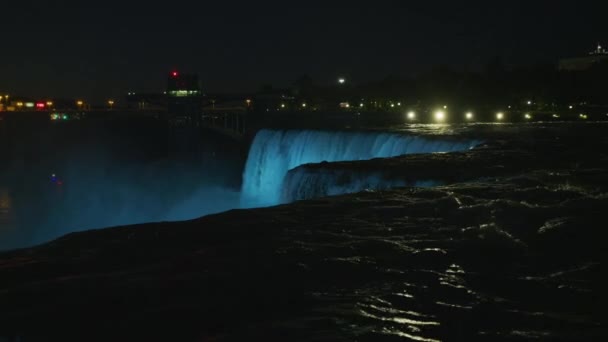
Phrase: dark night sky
(104, 49)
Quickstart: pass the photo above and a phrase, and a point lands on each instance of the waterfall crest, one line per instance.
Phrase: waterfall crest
(274, 153)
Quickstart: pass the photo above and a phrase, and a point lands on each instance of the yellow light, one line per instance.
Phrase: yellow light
(469, 116)
(500, 116)
(49, 103)
(528, 116)
(440, 115)
(110, 102)
(79, 103)
(19, 104)
(583, 116)
(411, 115)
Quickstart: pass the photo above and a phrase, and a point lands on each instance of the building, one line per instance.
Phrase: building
(184, 99)
(599, 55)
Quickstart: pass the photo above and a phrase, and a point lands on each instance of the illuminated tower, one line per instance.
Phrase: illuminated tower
(184, 99)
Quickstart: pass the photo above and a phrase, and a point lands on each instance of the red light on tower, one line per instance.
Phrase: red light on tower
(174, 74)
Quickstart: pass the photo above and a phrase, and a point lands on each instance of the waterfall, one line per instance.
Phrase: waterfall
(274, 153)
(301, 183)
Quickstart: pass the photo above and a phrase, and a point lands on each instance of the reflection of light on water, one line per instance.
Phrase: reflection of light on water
(403, 323)
(410, 336)
(435, 128)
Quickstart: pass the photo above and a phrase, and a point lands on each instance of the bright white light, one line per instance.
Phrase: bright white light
(500, 116)
(440, 115)
(398, 103)
(571, 107)
(392, 105)
(304, 105)
(341, 80)
(555, 116)
(469, 115)
(529, 102)
(528, 116)
(361, 105)
(445, 107)
(411, 115)
(282, 105)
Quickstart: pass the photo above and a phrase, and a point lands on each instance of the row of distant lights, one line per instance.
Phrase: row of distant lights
(440, 116)
(57, 116)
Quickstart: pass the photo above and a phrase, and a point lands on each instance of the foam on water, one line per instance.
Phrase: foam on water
(300, 184)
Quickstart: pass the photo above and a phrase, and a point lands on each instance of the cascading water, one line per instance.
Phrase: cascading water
(274, 153)
(301, 183)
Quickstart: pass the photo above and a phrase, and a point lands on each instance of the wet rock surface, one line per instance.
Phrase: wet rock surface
(512, 250)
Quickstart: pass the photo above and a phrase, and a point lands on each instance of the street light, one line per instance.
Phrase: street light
(411, 115)
(341, 80)
(111, 103)
(469, 116)
(440, 115)
(500, 116)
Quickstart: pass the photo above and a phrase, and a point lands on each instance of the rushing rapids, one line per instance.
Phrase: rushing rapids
(515, 255)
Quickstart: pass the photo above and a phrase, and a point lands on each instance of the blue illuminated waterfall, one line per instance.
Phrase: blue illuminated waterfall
(274, 153)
